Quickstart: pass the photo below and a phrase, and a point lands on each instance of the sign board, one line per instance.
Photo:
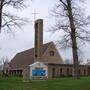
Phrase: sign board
(38, 71)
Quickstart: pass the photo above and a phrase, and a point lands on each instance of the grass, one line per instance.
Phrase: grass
(15, 83)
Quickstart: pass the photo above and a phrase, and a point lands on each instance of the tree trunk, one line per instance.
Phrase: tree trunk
(75, 55)
(74, 42)
(1, 5)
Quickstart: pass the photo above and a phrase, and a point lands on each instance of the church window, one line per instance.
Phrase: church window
(60, 71)
(35, 55)
(67, 71)
(84, 72)
(51, 53)
(53, 72)
(79, 72)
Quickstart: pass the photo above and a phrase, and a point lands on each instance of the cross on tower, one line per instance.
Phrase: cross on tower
(35, 13)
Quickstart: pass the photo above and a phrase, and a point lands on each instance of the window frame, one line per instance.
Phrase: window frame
(52, 53)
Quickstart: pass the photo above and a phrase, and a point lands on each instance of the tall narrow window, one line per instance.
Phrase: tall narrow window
(51, 53)
(53, 72)
(79, 72)
(60, 71)
(67, 71)
(84, 72)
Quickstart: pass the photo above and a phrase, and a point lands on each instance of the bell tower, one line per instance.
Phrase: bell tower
(38, 39)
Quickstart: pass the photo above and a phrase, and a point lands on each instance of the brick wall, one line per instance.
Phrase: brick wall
(52, 59)
(65, 70)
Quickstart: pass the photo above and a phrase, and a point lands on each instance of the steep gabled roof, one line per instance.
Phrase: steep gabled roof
(25, 57)
(45, 46)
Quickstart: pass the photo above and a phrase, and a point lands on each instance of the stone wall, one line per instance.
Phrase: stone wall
(26, 73)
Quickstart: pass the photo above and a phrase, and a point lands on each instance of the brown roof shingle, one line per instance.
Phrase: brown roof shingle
(25, 57)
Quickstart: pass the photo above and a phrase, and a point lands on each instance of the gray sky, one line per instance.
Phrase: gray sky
(24, 39)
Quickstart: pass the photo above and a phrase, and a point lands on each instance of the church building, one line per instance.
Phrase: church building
(42, 61)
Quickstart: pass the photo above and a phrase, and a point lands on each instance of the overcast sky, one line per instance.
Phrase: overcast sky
(24, 39)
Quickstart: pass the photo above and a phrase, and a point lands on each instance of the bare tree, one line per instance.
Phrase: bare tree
(0, 64)
(4, 62)
(81, 57)
(9, 20)
(70, 18)
(68, 61)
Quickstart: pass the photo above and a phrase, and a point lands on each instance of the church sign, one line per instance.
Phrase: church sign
(38, 71)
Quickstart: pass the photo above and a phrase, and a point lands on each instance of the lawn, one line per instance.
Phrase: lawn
(15, 83)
